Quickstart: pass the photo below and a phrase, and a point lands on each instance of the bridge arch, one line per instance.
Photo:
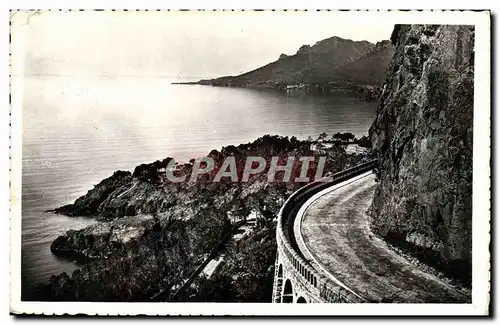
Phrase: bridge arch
(288, 292)
(301, 300)
(280, 271)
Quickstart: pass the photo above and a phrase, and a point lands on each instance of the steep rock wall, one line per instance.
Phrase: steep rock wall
(423, 138)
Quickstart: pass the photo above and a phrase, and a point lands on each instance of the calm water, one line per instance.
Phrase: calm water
(77, 131)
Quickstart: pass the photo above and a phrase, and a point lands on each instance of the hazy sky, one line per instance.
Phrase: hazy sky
(175, 44)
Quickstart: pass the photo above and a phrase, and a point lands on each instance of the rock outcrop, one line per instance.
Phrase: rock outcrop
(145, 253)
(89, 204)
(101, 239)
(423, 139)
(304, 49)
(120, 195)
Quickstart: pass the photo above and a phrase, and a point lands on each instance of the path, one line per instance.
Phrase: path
(334, 235)
(126, 191)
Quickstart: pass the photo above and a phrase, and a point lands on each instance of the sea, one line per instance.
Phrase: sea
(78, 130)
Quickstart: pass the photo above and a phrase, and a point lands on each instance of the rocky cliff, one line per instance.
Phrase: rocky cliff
(422, 135)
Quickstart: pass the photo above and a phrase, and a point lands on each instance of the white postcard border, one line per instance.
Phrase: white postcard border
(481, 209)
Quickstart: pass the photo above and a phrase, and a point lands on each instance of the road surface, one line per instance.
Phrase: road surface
(334, 235)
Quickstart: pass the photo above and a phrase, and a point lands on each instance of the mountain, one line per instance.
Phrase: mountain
(370, 68)
(422, 136)
(334, 60)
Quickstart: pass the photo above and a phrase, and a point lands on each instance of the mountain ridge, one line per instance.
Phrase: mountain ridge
(329, 64)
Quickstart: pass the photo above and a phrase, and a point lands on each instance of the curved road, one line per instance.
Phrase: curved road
(333, 233)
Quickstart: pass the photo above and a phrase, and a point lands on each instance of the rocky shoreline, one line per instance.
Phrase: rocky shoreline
(362, 92)
(153, 233)
(101, 239)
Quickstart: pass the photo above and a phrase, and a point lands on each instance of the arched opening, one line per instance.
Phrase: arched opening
(279, 283)
(301, 300)
(288, 292)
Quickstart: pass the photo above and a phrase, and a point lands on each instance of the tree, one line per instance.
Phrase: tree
(336, 136)
(320, 147)
(342, 139)
(364, 141)
(322, 137)
(349, 136)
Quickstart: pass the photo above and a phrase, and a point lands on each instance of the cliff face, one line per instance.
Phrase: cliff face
(423, 138)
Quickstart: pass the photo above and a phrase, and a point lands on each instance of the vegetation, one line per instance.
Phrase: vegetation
(364, 142)
(246, 274)
(188, 221)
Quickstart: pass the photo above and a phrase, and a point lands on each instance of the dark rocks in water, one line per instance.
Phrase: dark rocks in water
(88, 205)
(422, 135)
(67, 210)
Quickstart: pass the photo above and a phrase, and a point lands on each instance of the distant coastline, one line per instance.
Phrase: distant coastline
(331, 65)
(363, 92)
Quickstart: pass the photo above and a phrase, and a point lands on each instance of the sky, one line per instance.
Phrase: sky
(184, 45)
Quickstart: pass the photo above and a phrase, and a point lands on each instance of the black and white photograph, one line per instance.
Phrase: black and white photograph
(336, 161)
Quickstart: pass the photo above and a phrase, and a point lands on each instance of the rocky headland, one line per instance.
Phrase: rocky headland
(152, 233)
(422, 136)
(331, 65)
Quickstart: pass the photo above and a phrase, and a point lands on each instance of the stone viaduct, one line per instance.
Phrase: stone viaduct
(296, 280)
